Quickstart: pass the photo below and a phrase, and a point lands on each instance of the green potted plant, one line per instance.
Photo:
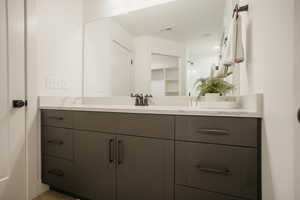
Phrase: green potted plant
(213, 87)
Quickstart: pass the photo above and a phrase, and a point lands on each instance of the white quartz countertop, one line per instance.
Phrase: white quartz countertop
(164, 110)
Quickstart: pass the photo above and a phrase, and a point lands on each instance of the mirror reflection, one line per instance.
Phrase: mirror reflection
(161, 50)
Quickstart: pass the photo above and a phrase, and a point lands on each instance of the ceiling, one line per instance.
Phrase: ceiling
(190, 20)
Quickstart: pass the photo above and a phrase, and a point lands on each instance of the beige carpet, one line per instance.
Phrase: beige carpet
(51, 195)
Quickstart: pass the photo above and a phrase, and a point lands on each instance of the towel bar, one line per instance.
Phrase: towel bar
(240, 9)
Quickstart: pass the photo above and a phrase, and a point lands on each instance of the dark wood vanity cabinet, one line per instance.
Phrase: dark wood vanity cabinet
(91, 161)
(118, 156)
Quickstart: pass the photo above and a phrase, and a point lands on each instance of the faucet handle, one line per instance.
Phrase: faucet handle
(133, 95)
(146, 99)
(138, 99)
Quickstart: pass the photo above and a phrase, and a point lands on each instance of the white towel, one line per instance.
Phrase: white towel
(233, 51)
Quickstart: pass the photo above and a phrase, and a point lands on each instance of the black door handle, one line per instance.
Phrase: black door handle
(111, 150)
(56, 142)
(213, 132)
(19, 103)
(120, 152)
(224, 171)
(56, 172)
(298, 116)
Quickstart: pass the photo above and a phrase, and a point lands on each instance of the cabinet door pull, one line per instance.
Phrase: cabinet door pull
(224, 171)
(56, 118)
(56, 172)
(213, 131)
(111, 150)
(56, 142)
(120, 152)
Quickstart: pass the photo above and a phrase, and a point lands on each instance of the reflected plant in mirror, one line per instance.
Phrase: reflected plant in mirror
(213, 86)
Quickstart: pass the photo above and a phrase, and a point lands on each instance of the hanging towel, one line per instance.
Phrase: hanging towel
(233, 51)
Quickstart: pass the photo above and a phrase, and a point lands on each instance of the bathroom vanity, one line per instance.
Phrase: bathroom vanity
(145, 156)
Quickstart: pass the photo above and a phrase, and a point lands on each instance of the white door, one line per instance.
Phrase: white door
(12, 87)
(121, 70)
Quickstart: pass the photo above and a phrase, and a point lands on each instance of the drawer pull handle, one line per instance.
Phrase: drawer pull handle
(111, 150)
(56, 142)
(56, 118)
(120, 152)
(213, 132)
(224, 171)
(56, 172)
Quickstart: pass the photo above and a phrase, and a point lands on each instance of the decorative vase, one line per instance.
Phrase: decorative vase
(213, 97)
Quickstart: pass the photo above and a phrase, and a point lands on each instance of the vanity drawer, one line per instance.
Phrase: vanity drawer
(156, 126)
(58, 173)
(218, 168)
(58, 142)
(218, 130)
(58, 118)
(185, 193)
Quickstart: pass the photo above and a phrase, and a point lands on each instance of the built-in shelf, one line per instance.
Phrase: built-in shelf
(165, 69)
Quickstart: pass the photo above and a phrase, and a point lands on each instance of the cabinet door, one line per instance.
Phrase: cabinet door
(95, 167)
(145, 169)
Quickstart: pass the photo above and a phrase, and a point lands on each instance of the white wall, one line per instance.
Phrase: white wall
(269, 70)
(105, 8)
(96, 58)
(107, 57)
(54, 47)
(32, 117)
(59, 52)
(142, 60)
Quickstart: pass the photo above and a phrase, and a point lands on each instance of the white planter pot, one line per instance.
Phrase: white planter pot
(213, 97)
